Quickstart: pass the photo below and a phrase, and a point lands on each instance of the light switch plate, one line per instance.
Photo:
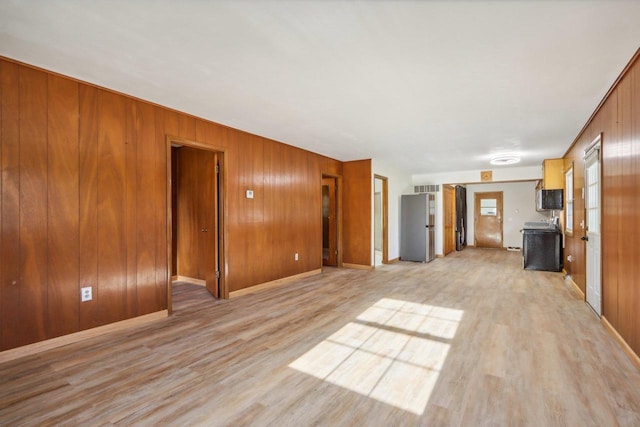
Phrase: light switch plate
(249, 194)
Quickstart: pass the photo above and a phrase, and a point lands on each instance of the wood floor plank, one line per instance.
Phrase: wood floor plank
(470, 339)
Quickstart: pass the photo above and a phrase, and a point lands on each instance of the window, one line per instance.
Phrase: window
(488, 207)
(568, 194)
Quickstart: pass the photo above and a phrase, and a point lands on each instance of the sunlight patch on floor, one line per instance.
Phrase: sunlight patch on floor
(392, 352)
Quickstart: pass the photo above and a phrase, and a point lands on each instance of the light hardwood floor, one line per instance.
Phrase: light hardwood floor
(470, 339)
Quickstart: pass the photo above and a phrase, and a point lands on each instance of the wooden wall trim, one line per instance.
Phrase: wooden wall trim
(385, 217)
(173, 139)
(52, 343)
(624, 72)
(635, 359)
(576, 288)
(273, 283)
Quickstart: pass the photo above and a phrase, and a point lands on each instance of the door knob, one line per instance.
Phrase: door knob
(585, 238)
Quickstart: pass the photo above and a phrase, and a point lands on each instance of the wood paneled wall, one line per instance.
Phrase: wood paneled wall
(618, 120)
(356, 213)
(84, 203)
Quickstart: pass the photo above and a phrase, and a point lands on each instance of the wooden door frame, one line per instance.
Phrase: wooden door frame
(338, 180)
(475, 216)
(222, 219)
(385, 218)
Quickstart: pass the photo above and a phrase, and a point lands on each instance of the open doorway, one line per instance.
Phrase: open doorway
(380, 218)
(195, 217)
(331, 255)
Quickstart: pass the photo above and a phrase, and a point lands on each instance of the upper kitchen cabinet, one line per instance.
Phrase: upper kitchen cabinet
(552, 176)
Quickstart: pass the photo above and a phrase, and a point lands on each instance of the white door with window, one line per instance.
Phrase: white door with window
(592, 237)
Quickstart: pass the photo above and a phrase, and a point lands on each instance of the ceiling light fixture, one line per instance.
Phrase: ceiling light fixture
(504, 159)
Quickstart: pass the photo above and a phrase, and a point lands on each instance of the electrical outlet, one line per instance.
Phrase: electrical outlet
(295, 257)
(86, 294)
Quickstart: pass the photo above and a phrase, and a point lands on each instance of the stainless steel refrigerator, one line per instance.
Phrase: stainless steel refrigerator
(417, 227)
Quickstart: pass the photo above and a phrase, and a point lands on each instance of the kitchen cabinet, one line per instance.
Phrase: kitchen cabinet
(552, 176)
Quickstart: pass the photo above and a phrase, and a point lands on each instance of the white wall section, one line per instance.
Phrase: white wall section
(518, 207)
(399, 183)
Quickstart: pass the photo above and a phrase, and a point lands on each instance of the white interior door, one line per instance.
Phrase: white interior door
(592, 207)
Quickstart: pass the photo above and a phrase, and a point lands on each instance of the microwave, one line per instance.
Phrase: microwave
(547, 200)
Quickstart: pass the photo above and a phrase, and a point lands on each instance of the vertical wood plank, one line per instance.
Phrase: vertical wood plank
(273, 202)
(112, 260)
(634, 284)
(298, 215)
(236, 187)
(10, 220)
(289, 215)
(166, 124)
(611, 232)
(210, 133)
(186, 127)
(313, 220)
(625, 217)
(88, 199)
(357, 212)
(62, 207)
(209, 212)
(146, 215)
(232, 188)
(609, 125)
(131, 207)
(33, 205)
(258, 244)
(2, 267)
(252, 230)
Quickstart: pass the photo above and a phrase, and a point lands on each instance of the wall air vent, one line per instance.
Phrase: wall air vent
(431, 188)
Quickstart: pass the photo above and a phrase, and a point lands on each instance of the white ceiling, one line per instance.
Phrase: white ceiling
(426, 86)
